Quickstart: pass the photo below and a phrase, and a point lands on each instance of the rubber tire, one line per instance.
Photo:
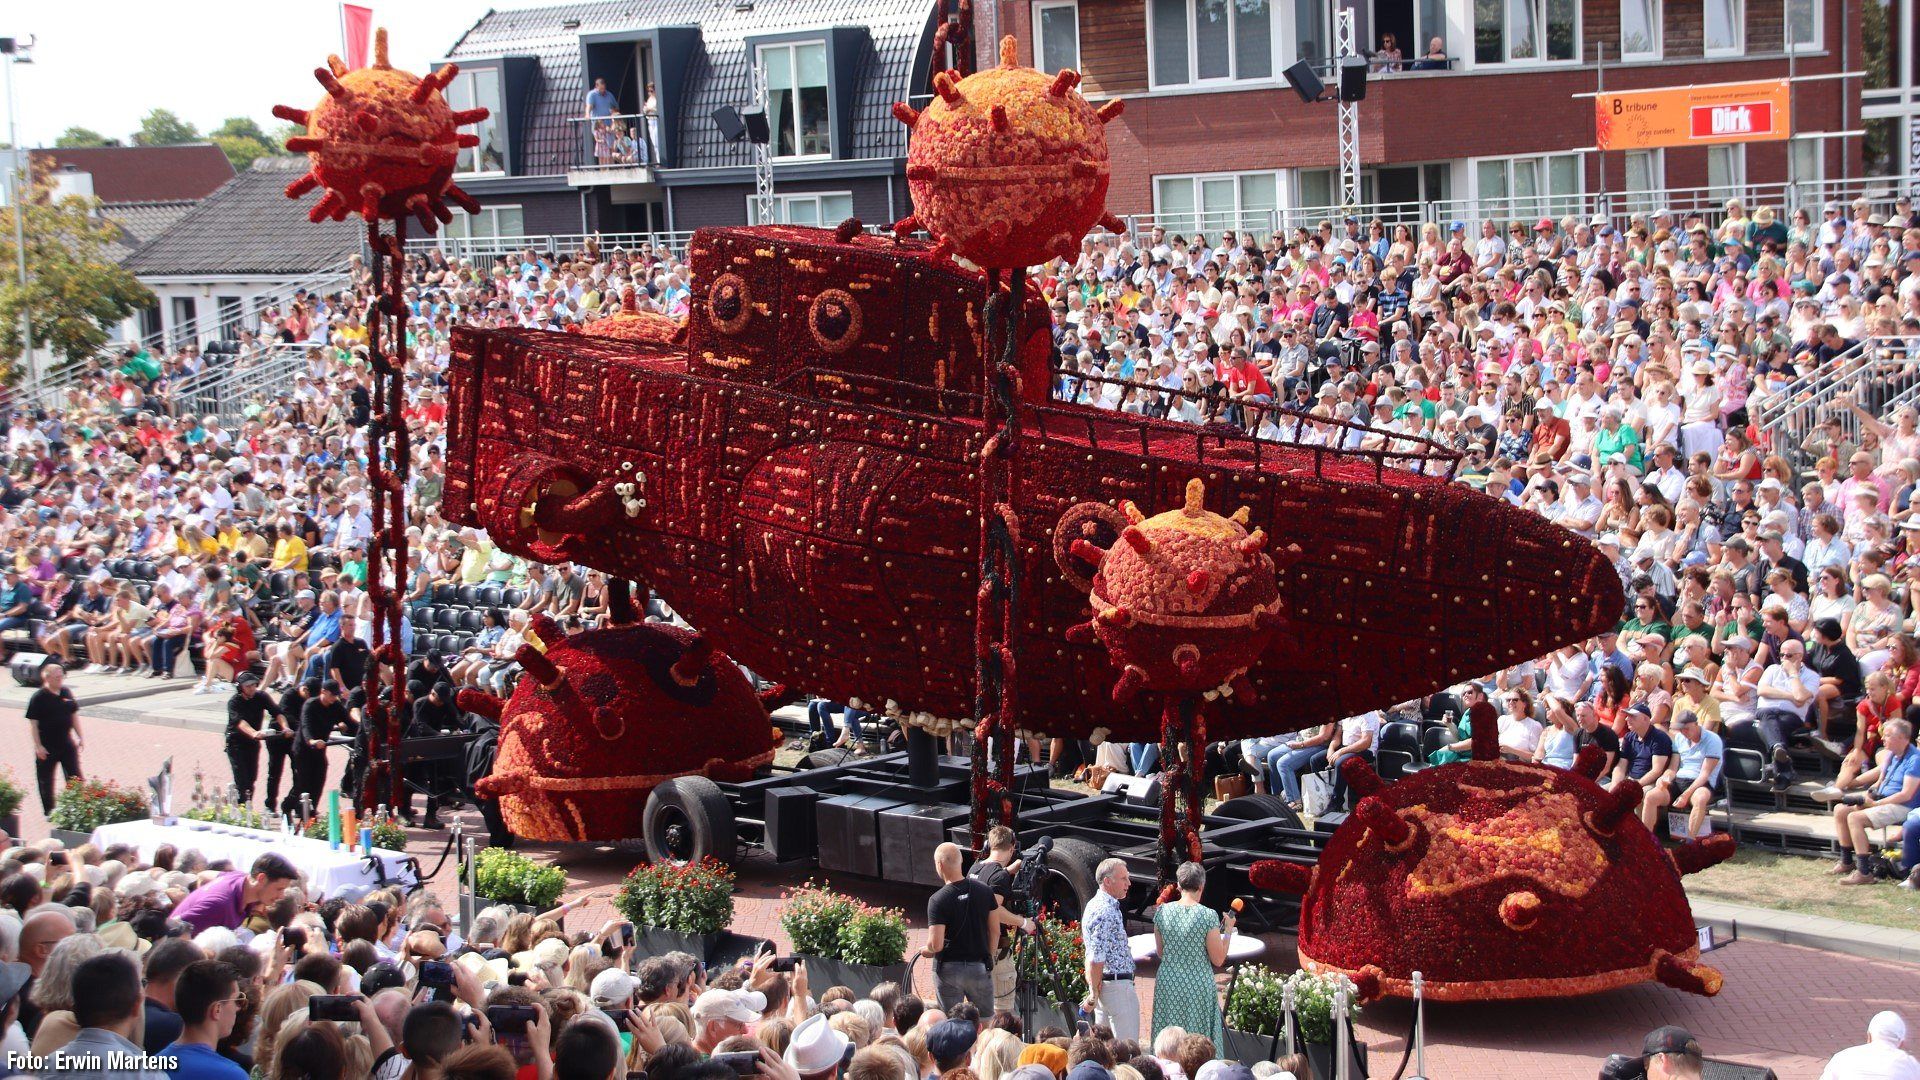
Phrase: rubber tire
(825, 757)
(708, 813)
(1259, 808)
(1075, 862)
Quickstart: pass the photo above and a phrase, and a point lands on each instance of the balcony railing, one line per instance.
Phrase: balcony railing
(619, 144)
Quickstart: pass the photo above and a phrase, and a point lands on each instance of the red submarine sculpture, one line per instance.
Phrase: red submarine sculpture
(797, 470)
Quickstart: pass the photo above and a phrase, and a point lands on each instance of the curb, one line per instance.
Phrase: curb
(1811, 931)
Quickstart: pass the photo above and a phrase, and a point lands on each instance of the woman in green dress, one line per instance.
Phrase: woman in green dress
(1191, 945)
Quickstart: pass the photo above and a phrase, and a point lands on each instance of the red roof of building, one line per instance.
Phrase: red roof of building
(129, 174)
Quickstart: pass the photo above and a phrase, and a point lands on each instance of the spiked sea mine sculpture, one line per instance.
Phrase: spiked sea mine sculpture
(1185, 602)
(383, 143)
(603, 718)
(1008, 167)
(1497, 879)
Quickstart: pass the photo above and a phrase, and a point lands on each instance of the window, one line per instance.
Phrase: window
(185, 312)
(1726, 170)
(1883, 147)
(814, 208)
(1213, 204)
(1313, 40)
(797, 98)
(1056, 30)
(1646, 176)
(1639, 29)
(1524, 31)
(1803, 25)
(230, 319)
(1195, 41)
(480, 88)
(1528, 187)
(1316, 188)
(1720, 30)
(490, 222)
(1806, 164)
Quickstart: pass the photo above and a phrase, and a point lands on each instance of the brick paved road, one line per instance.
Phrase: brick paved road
(1786, 1007)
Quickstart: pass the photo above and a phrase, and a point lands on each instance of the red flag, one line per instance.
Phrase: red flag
(356, 31)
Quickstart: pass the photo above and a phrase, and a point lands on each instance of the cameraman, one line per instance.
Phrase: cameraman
(963, 919)
(1668, 1053)
(996, 873)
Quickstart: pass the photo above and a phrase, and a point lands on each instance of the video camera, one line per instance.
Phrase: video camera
(1020, 897)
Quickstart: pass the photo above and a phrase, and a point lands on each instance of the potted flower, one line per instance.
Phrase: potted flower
(871, 949)
(1255, 1015)
(245, 817)
(1054, 960)
(1314, 1023)
(11, 795)
(685, 907)
(812, 916)
(513, 880)
(86, 804)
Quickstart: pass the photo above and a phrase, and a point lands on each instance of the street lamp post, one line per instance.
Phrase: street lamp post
(16, 52)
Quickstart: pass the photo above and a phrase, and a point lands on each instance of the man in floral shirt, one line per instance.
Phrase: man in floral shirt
(1110, 987)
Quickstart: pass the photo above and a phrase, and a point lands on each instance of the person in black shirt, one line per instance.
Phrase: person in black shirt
(280, 738)
(1644, 753)
(323, 712)
(1594, 733)
(1840, 678)
(348, 659)
(57, 739)
(962, 919)
(247, 711)
(996, 873)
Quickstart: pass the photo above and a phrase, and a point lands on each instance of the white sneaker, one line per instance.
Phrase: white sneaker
(202, 690)
(95, 669)
(1828, 794)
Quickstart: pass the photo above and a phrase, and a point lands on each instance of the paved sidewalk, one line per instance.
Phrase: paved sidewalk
(1785, 1006)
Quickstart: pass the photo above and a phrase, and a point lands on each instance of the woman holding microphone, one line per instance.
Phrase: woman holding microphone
(1192, 944)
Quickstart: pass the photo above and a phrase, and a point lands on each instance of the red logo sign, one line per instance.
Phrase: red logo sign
(1731, 119)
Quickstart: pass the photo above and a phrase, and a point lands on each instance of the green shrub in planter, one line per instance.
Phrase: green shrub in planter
(11, 793)
(876, 937)
(813, 916)
(1313, 1004)
(687, 898)
(85, 805)
(385, 835)
(246, 817)
(512, 878)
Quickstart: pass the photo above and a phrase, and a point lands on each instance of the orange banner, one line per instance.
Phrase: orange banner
(1693, 115)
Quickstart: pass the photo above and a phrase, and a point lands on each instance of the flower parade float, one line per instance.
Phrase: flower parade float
(1497, 879)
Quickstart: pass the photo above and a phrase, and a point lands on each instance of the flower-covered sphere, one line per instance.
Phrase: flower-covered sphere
(1008, 167)
(1184, 601)
(1496, 879)
(382, 142)
(602, 718)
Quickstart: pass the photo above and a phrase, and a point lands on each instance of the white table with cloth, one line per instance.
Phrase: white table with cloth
(327, 871)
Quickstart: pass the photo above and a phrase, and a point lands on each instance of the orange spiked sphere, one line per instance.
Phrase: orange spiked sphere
(1008, 167)
(1498, 879)
(382, 142)
(1186, 603)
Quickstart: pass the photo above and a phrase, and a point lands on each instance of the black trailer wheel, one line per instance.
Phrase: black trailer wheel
(688, 819)
(1070, 880)
(826, 757)
(1259, 808)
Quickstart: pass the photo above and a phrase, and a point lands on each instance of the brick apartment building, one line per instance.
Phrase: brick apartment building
(1211, 131)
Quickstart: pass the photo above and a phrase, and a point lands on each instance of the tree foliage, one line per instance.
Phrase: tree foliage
(163, 127)
(76, 138)
(241, 139)
(75, 292)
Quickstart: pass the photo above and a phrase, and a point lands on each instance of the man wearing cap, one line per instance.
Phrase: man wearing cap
(950, 1042)
(721, 1014)
(1881, 1057)
(1890, 791)
(1552, 435)
(1671, 1053)
(1645, 751)
(247, 727)
(1694, 773)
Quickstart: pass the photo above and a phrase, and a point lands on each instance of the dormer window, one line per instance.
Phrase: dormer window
(797, 109)
(479, 87)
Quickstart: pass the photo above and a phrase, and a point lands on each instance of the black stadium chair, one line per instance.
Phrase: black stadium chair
(121, 568)
(444, 595)
(1432, 739)
(1399, 749)
(491, 595)
(471, 622)
(74, 565)
(469, 595)
(145, 571)
(512, 597)
(446, 618)
(143, 590)
(448, 644)
(280, 582)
